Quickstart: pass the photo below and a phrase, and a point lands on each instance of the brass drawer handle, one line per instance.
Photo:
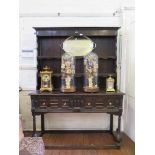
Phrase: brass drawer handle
(65, 103)
(43, 103)
(110, 103)
(89, 103)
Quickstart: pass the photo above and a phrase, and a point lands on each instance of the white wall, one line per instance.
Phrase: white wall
(68, 6)
(128, 71)
(35, 13)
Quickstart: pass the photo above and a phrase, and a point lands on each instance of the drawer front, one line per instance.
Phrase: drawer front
(45, 103)
(108, 102)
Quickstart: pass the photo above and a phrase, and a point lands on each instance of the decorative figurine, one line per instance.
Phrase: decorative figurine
(68, 72)
(46, 83)
(110, 84)
(91, 72)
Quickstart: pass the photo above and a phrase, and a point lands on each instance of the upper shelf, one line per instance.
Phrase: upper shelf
(69, 31)
(50, 57)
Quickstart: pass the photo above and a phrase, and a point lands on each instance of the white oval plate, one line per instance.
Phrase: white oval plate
(78, 46)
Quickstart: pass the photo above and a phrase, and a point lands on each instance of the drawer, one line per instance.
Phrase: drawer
(113, 103)
(45, 102)
(108, 102)
(40, 103)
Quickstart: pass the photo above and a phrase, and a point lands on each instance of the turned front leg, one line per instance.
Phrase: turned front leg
(111, 123)
(118, 131)
(34, 126)
(42, 124)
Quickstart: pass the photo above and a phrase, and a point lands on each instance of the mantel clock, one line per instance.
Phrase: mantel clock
(46, 83)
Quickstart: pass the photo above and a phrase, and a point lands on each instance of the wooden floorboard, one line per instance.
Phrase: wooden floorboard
(127, 148)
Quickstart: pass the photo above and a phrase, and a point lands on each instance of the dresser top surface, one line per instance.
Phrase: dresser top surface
(37, 92)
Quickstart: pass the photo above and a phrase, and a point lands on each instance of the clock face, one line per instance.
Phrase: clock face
(45, 77)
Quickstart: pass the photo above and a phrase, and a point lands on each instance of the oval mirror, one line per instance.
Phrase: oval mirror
(78, 45)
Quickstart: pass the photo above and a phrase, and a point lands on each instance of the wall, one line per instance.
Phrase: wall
(68, 6)
(35, 13)
(128, 71)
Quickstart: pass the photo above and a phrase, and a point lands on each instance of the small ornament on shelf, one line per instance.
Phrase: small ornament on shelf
(110, 84)
(46, 81)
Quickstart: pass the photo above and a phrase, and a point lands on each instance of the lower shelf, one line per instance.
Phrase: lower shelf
(92, 146)
(80, 141)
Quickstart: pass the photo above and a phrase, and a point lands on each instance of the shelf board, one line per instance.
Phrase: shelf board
(47, 57)
(109, 57)
(79, 57)
(82, 74)
(99, 75)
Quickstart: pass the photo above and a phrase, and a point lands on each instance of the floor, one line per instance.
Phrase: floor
(128, 146)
